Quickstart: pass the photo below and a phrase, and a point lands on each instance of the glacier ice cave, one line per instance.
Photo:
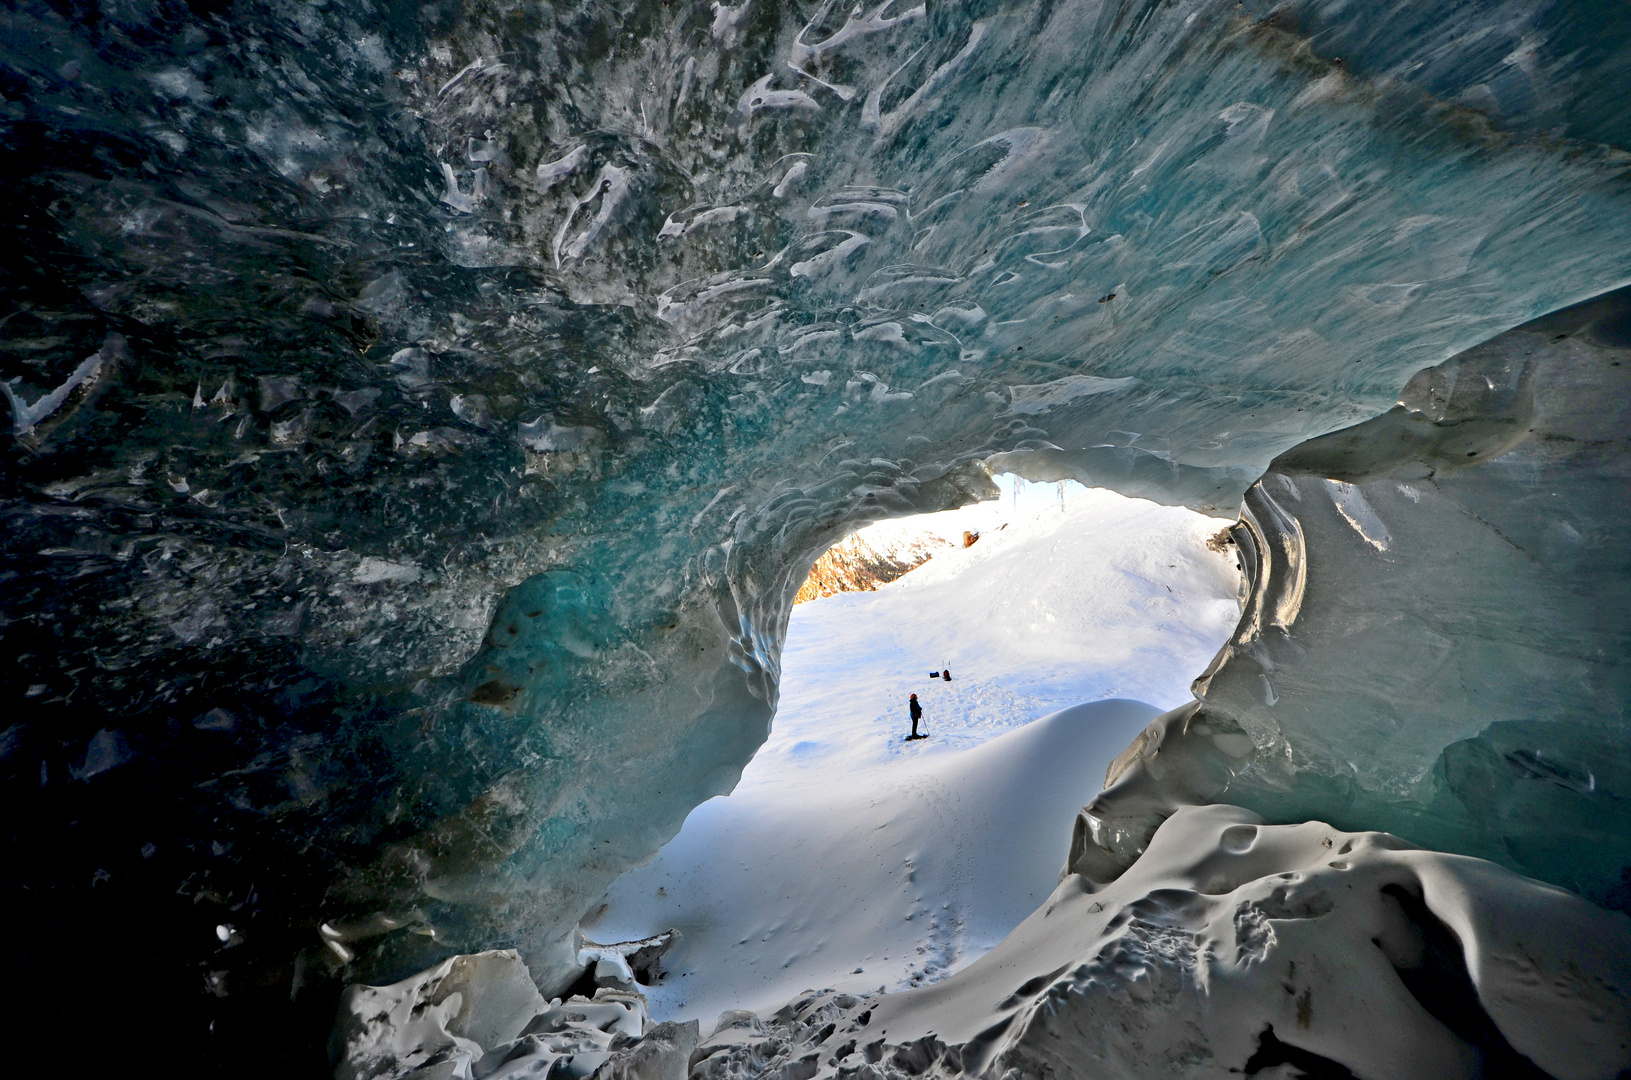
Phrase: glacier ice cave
(422, 414)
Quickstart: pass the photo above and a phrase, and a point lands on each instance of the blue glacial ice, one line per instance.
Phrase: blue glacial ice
(422, 416)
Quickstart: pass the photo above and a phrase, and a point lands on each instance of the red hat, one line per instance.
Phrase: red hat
(914, 697)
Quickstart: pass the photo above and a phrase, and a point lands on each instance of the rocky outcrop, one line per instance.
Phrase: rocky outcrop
(864, 561)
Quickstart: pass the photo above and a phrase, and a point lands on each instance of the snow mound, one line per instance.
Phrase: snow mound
(1235, 947)
(1231, 947)
(887, 876)
(849, 857)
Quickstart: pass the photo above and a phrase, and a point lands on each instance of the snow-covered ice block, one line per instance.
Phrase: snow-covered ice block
(479, 1017)
(456, 1009)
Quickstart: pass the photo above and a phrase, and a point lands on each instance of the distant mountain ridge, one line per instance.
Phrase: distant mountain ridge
(865, 560)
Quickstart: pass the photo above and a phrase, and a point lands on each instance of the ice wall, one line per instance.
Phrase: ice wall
(422, 414)
(1435, 636)
(1451, 661)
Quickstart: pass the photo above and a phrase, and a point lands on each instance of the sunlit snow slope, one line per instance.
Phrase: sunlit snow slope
(850, 858)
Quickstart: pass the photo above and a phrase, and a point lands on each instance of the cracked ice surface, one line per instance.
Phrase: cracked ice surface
(475, 384)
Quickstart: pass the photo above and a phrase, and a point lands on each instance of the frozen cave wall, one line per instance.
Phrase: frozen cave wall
(1436, 637)
(1457, 666)
(421, 416)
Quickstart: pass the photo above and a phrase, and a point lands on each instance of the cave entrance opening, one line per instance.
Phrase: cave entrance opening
(853, 858)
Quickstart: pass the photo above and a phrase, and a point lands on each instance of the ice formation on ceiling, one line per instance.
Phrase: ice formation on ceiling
(422, 415)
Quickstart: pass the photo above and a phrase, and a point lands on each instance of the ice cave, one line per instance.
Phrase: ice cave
(421, 416)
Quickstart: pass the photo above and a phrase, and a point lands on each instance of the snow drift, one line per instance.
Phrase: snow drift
(1237, 947)
(1230, 947)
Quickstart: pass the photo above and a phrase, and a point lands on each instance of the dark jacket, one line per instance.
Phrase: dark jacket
(917, 710)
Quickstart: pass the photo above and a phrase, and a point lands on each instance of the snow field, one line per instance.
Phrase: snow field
(848, 858)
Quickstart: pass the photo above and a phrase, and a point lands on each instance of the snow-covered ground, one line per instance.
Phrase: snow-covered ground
(849, 858)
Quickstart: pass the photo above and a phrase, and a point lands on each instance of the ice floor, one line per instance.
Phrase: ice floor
(849, 858)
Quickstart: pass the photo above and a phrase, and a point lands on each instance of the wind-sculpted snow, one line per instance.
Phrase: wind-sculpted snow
(1232, 947)
(1236, 947)
(421, 417)
(481, 1016)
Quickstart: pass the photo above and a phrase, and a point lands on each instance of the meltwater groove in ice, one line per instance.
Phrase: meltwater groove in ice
(490, 376)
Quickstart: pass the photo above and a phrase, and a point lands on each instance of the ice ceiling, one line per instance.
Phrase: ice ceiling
(421, 416)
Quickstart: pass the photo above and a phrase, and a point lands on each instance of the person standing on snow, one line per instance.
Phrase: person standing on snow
(917, 714)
